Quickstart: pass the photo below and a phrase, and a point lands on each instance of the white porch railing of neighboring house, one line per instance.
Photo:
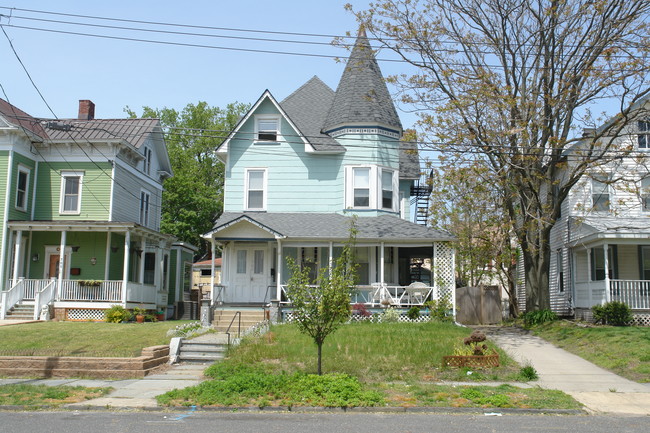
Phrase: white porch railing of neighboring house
(103, 291)
(44, 297)
(11, 297)
(381, 294)
(634, 293)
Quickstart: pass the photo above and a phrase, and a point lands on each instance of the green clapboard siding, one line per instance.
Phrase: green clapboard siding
(95, 191)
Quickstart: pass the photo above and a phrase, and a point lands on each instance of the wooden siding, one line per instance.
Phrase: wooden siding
(4, 168)
(126, 198)
(95, 191)
(298, 181)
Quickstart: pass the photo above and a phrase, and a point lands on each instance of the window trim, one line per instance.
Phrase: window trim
(145, 213)
(148, 157)
(267, 118)
(369, 188)
(247, 189)
(64, 179)
(608, 193)
(375, 185)
(380, 188)
(644, 194)
(22, 169)
(643, 134)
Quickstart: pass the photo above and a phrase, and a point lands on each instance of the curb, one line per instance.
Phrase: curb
(309, 409)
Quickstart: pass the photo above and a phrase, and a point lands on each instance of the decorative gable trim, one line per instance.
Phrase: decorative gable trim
(359, 130)
(224, 226)
(223, 147)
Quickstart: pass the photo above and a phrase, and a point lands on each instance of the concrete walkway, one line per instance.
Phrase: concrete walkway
(599, 390)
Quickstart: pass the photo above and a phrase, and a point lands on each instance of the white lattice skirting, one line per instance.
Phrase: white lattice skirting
(83, 314)
(375, 318)
(642, 319)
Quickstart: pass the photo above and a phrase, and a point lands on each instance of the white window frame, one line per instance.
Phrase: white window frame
(247, 189)
(643, 134)
(145, 211)
(148, 157)
(27, 172)
(267, 118)
(380, 189)
(64, 179)
(606, 191)
(375, 186)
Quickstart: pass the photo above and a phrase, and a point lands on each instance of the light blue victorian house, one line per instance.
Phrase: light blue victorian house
(297, 171)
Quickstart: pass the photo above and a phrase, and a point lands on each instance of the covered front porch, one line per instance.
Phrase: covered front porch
(80, 269)
(392, 271)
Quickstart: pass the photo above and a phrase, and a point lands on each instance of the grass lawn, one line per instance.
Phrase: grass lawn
(31, 396)
(624, 350)
(396, 364)
(83, 338)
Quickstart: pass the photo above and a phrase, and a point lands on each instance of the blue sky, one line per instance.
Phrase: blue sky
(115, 74)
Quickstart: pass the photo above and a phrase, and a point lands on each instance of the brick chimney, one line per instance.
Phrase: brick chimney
(86, 109)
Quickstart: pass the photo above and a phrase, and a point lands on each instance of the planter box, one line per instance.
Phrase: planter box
(471, 361)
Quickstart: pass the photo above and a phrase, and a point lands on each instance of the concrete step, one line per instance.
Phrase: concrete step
(201, 351)
(21, 311)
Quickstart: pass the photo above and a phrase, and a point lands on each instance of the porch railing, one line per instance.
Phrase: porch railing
(11, 297)
(634, 293)
(30, 287)
(44, 297)
(379, 294)
(217, 294)
(142, 293)
(101, 291)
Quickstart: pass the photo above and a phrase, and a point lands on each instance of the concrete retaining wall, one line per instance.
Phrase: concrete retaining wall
(96, 368)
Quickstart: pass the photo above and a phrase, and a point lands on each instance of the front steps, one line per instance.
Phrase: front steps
(21, 312)
(249, 318)
(195, 351)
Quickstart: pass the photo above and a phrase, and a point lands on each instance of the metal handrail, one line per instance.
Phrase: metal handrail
(237, 314)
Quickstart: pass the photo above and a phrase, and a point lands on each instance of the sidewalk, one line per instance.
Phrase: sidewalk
(599, 390)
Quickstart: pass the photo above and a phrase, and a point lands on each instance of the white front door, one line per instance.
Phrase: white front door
(250, 275)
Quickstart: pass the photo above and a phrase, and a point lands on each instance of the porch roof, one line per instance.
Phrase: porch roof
(331, 226)
(593, 229)
(91, 226)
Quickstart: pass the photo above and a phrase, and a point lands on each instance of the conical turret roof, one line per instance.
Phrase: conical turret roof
(362, 97)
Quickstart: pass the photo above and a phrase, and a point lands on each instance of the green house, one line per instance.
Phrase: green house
(80, 206)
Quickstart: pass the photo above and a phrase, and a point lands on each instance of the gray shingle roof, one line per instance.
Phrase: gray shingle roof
(307, 107)
(409, 160)
(331, 226)
(362, 96)
(17, 117)
(134, 131)
(610, 227)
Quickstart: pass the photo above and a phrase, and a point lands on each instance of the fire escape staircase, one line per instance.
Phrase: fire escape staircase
(421, 193)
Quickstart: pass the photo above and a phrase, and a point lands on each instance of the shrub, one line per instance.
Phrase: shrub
(534, 318)
(439, 309)
(390, 315)
(612, 313)
(413, 312)
(528, 373)
(360, 310)
(117, 314)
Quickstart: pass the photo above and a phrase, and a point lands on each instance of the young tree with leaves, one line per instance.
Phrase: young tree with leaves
(321, 306)
(511, 84)
(193, 196)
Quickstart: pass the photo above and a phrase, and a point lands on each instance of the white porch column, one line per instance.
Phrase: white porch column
(330, 263)
(278, 272)
(589, 265)
(608, 295)
(141, 259)
(17, 254)
(107, 262)
(382, 262)
(125, 270)
(59, 282)
(213, 252)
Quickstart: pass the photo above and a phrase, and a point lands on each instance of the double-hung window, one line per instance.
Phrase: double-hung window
(256, 189)
(148, 156)
(361, 186)
(643, 134)
(600, 194)
(387, 191)
(71, 183)
(645, 194)
(22, 188)
(267, 128)
(145, 199)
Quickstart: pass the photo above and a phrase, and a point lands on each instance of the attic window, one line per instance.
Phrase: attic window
(643, 136)
(267, 128)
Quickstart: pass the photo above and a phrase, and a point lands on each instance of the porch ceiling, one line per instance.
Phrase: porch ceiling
(331, 227)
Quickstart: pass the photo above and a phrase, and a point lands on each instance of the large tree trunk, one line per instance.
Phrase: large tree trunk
(536, 270)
